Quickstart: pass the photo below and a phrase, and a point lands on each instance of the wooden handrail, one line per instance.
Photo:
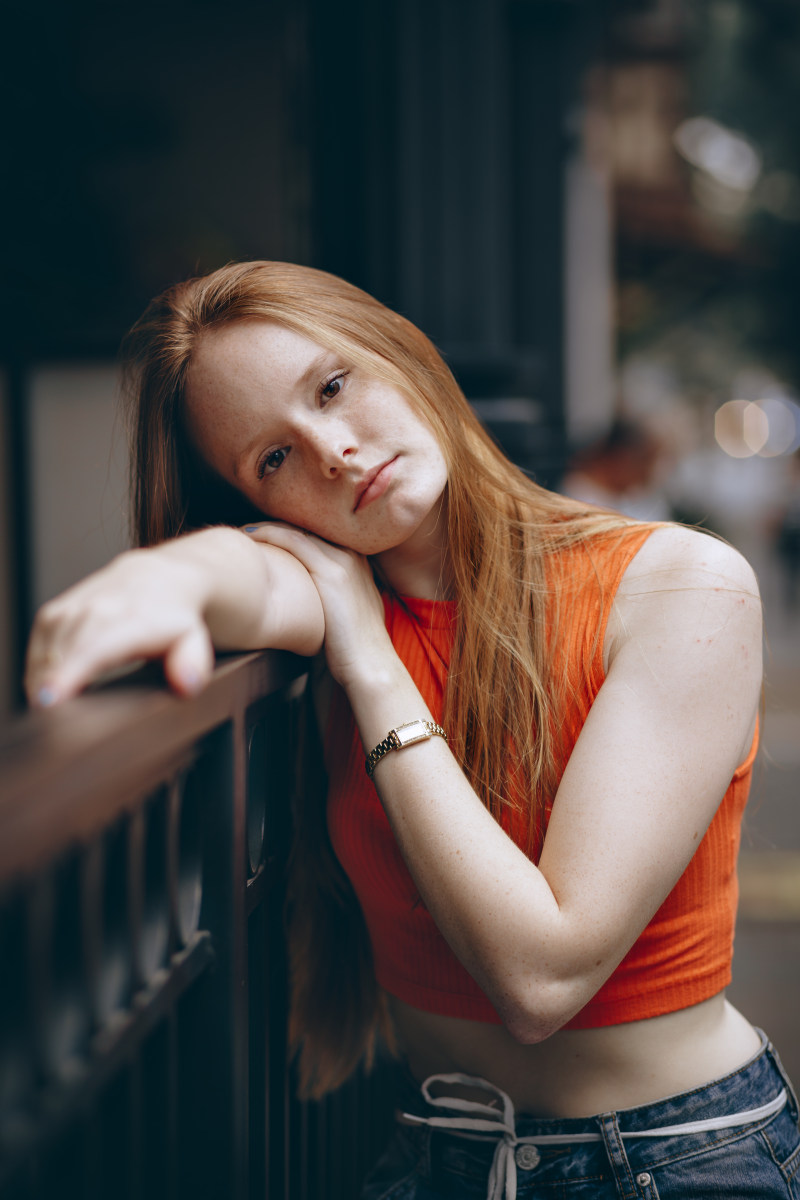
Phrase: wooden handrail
(66, 772)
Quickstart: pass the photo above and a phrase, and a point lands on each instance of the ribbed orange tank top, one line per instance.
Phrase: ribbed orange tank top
(682, 957)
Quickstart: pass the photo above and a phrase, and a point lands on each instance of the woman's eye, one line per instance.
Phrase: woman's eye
(333, 386)
(270, 462)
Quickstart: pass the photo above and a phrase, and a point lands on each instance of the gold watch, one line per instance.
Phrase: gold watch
(403, 735)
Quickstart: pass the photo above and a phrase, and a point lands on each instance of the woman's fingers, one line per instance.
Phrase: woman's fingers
(65, 669)
(46, 673)
(111, 621)
(335, 570)
(189, 661)
(287, 537)
(168, 602)
(312, 551)
(62, 672)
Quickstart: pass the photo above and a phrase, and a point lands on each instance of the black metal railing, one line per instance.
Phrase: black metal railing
(143, 840)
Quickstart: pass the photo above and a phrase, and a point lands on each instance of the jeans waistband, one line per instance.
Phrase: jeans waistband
(486, 1122)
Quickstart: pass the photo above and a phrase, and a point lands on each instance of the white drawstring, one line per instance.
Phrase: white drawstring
(503, 1174)
(487, 1119)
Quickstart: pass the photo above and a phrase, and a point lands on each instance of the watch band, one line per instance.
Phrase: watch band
(403, 735)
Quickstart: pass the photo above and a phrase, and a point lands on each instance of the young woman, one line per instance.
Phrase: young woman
(532, 884)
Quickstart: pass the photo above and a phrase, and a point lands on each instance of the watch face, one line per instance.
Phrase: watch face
(414, 731)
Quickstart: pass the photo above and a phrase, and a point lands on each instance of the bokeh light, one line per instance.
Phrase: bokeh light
(726, 156)
(783, 417)
(768, 427)
(741, 428)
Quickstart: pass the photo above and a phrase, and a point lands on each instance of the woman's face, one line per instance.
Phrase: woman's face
(311, 439)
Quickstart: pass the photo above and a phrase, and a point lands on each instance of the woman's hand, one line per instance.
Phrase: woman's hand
(174, 602)
(355, 631)
(142, 605)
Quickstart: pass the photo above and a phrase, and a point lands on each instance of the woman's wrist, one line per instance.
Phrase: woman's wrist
(213, 567)
(251, 595)
(192, 564)
(376, 674)
(383, 699)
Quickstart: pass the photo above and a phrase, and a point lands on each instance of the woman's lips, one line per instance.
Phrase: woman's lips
(376, 484)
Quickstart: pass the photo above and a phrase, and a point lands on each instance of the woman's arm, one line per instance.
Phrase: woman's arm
(174, 601)
(671, 723)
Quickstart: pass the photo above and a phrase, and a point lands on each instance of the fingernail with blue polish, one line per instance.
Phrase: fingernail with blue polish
(192, 682)
(250, 528)
(45, 697)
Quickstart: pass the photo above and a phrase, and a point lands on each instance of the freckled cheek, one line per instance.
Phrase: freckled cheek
(270, 501)
(299, 506)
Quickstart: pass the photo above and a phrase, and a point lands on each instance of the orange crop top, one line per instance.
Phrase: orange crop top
(682, 957)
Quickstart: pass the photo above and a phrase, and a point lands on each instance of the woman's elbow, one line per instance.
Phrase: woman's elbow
(529, 1031)
(540, 1010)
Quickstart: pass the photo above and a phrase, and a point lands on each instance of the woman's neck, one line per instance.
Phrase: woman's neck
(420, 566)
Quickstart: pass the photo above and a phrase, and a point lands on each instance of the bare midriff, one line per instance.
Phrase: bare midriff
(576, 1073)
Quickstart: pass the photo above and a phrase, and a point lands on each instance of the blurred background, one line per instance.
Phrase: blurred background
(591, 206)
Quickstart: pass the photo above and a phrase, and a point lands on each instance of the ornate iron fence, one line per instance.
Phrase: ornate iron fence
(143, 996)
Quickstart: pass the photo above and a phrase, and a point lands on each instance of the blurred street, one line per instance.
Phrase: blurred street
(766, 968)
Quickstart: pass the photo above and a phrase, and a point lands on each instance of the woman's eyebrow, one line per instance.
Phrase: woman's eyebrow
(313, 369)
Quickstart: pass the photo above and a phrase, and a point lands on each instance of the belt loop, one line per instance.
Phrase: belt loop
(609, 1127)
(774, 1058)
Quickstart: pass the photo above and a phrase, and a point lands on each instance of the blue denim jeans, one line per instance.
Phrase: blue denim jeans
(759, 1159)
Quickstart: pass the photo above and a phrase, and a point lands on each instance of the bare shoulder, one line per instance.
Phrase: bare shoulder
(675, 557)
(687, 598)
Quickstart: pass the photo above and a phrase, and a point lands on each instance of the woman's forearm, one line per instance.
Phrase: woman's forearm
(174, 602)
(252, 595)
(491, 903)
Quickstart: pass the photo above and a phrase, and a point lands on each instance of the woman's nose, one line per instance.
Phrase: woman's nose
(333, 449)
(335, 459)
